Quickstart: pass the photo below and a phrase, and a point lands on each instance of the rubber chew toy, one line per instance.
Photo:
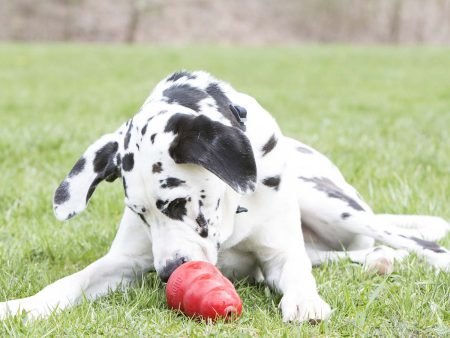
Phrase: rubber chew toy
(198, 289)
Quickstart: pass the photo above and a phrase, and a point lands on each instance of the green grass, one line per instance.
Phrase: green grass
(382, 114)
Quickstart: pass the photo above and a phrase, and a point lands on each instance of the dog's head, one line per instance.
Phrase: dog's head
(176, 168)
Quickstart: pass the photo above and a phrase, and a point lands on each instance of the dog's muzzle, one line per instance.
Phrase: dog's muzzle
(170, 267)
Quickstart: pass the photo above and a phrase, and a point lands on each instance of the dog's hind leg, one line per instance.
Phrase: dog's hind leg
(339, 219)
(334, 211)
(371, 225)
(129, 257)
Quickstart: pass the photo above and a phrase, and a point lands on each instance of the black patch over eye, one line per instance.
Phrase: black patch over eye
(176, 209)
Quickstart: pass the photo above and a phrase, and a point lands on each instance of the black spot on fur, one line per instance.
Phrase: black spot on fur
(78, 167)
(172, 182)
(203, 224)
(126, 140)
(332, 190)
(203, 196)
(200, 203)
(427, 245)
(160, 204)
(176, 209)
(270, 144)
(222, 103)
(345, 215)
(118, 160)
(223, 150)
(203, 232)
(104, 155)
(157, 168)
(185, 95)
(62, 193)
(304, 150)
(178, 75)
(272, 182)
(152, 138)
(218, 204)
(128, 162)
(144, 130)
(241, 209)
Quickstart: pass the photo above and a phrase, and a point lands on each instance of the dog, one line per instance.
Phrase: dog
(208, 175)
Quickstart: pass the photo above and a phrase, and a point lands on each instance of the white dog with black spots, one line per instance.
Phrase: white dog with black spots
(209, 176)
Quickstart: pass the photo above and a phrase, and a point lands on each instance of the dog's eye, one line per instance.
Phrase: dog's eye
(176, 203)
(176, 209)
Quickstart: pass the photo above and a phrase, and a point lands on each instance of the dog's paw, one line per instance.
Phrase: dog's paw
(25, 307)
(3, 310)
(381, 260)
(312, 309)
(10, 308)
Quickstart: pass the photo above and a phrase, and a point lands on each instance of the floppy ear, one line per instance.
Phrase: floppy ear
(223, 150)
(100, 162)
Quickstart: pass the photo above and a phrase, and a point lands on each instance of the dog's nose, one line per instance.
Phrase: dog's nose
(170, 267)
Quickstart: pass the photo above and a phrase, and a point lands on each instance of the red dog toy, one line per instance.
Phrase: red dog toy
(198, 289)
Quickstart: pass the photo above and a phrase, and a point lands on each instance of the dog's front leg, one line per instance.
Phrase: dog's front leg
(287, 268)
(290, 274)
(129, 257)
(301, 301)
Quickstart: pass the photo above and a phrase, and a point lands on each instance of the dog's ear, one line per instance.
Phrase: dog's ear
(223, 150)
(101, 161)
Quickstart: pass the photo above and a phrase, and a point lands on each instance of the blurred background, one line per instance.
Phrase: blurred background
(255, 22)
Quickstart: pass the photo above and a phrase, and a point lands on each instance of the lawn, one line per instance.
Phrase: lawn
(382, 114)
